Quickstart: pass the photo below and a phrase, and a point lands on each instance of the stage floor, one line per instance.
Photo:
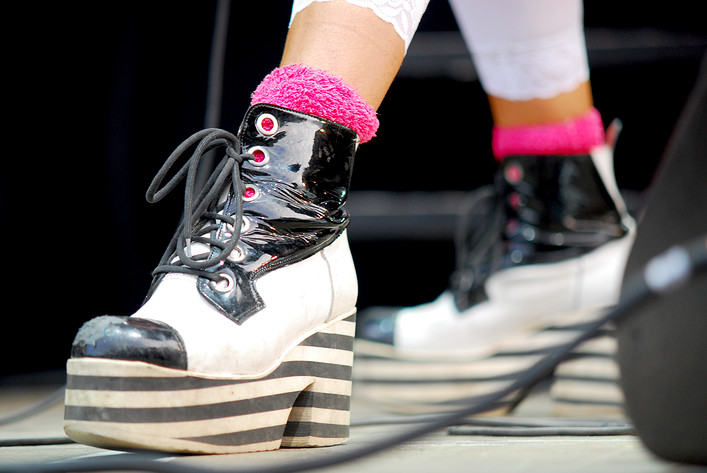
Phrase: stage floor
(437, 452)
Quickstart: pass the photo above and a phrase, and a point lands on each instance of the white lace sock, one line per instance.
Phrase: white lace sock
(404, 15)
(525, 49)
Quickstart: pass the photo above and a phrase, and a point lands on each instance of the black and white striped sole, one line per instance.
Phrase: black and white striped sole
(420, 386)
(304, 402)
(587, 383)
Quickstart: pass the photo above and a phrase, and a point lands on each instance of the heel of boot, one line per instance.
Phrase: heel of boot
(587, 384)
(320, 415)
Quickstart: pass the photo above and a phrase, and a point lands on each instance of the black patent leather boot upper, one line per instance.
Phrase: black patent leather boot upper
(295, 182)
(543, 209)
(275, 198)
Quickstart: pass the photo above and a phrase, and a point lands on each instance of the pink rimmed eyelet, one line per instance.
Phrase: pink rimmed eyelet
(266, 124)
(251, 193)
(260, 156)
(513, 173)
(516, 200)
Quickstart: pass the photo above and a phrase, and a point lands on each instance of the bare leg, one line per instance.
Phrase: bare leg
(560, 108)
(349, 41)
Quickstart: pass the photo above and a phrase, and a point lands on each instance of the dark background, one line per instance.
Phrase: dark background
(99, 93)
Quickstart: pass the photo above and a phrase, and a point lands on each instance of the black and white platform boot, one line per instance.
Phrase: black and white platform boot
(542, 254)
(245, 340)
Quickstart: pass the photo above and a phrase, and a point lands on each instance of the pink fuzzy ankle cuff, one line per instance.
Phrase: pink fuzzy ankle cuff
(318, 93)
(576, 136)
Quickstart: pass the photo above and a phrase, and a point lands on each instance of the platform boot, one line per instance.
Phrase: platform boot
(244, 342)
(541, 254)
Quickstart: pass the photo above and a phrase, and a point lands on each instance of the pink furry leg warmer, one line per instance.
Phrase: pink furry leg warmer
(575, 136)
(316, 92)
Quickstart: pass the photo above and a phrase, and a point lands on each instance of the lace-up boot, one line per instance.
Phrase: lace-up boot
(541, 253)
(245, 340)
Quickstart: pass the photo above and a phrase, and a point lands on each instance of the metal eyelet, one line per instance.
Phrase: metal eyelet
(226, 284)
(261, 157)
(245, 225)
(230, 229)
(266, 124)
(251, 193)
(516, 256)
(528, 232)
(237, 255)
(557, 239)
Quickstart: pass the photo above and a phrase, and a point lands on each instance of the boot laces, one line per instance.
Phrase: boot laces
(201, 218)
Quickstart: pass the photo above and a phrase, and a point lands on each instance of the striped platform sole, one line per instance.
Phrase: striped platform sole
(304, 402)
(425, 384)
(588, 383)
(418, 387)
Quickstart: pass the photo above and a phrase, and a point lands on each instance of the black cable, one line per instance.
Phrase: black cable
(559, 431)
(518, 427)
(534, 422)
(214, 90)
(39, 406)
(35, 441)
(513, 426)
(663, 273)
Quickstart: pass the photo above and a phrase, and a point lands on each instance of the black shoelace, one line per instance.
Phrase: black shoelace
(476, 240)
(200, 215)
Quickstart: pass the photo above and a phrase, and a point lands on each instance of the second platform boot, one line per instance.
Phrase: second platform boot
(541, 255)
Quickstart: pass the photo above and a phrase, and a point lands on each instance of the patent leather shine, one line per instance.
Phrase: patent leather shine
(130, 339)
(546, 209)
(298, 206)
